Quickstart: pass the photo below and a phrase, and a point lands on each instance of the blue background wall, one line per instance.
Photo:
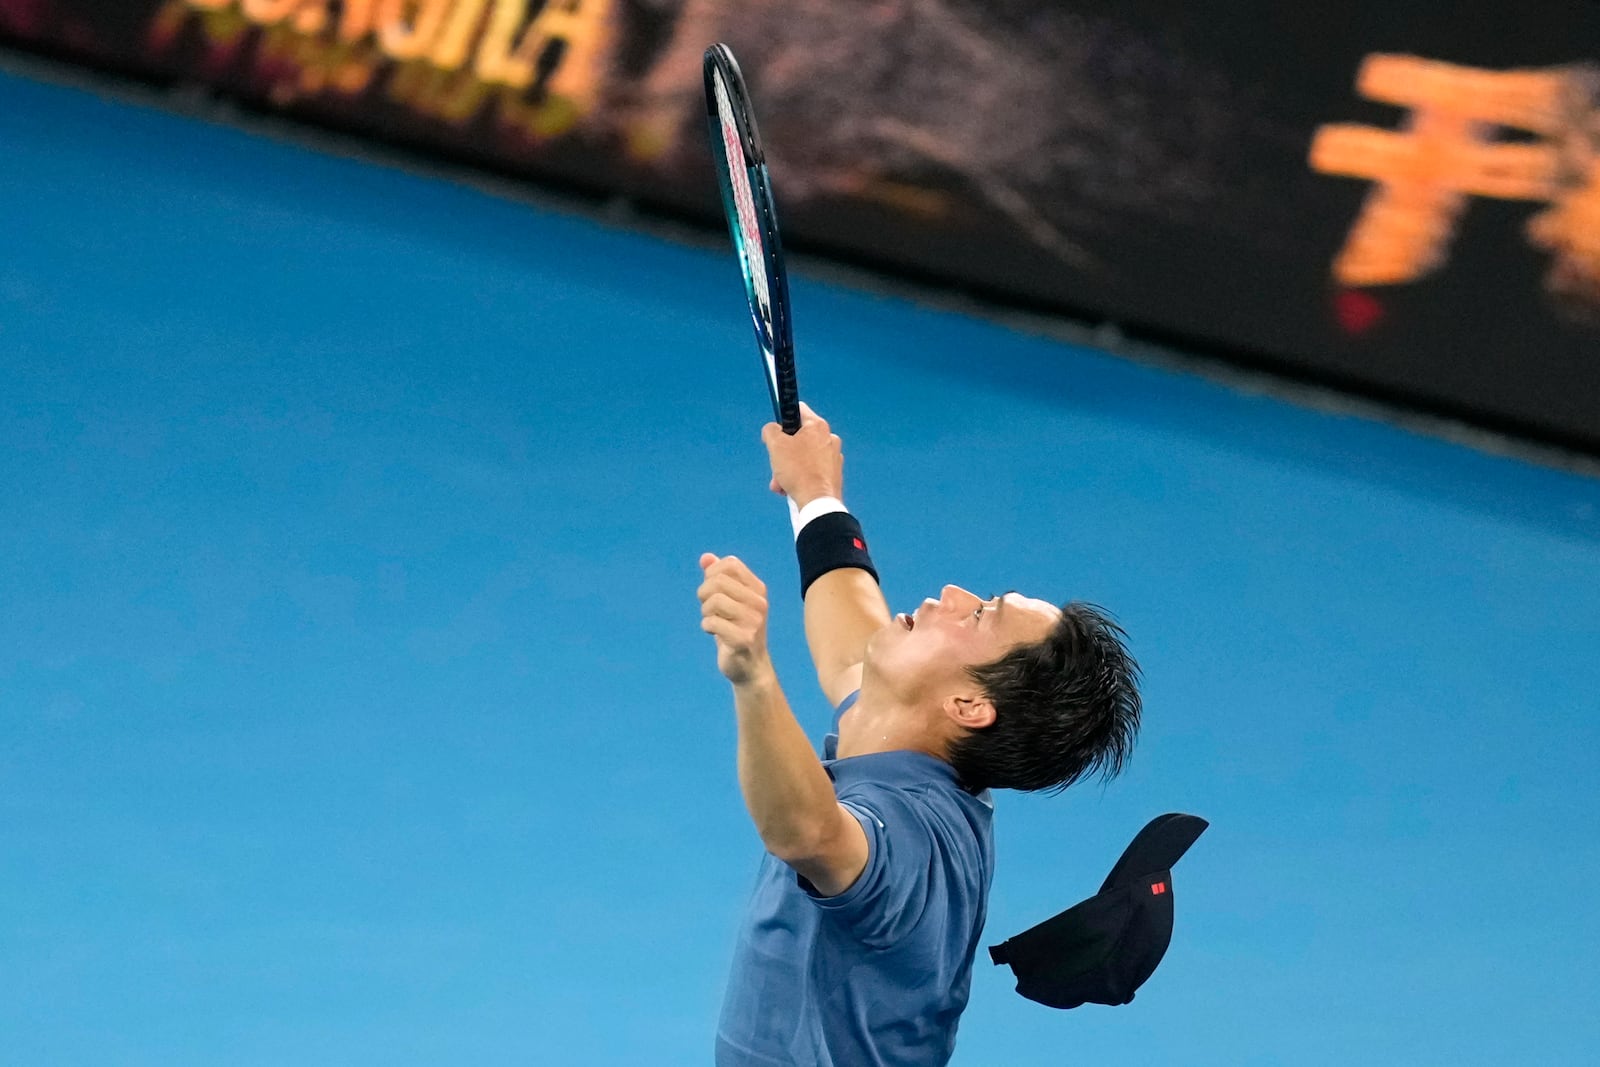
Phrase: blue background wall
(353, 706)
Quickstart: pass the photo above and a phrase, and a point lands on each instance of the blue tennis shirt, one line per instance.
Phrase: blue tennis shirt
(878, 975)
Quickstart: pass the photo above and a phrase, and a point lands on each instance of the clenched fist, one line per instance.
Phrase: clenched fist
(733, 609)
(807, 464)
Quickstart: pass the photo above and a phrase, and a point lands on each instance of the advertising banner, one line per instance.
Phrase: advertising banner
(1395, 198)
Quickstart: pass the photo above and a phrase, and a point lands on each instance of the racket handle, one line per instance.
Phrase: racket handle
(787, 391)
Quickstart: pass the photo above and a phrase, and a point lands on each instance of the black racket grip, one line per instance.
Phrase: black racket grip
(788, 398)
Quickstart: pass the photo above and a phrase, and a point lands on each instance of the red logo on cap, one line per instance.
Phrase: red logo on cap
(1158, 888)
(862, 545)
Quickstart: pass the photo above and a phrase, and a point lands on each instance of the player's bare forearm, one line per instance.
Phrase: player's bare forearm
(788, 794)
(844, 608)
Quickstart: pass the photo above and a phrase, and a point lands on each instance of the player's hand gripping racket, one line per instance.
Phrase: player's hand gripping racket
(747, 203)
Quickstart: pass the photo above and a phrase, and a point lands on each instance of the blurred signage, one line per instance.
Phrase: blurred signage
(1521, 135)
(1395, 202)
(537, 66)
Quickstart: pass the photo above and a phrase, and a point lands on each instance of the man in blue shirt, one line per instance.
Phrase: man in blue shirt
(857, 946)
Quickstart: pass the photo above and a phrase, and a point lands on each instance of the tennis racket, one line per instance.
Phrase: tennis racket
(753, 223)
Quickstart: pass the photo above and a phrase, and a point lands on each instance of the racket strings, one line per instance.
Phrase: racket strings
(752, 254)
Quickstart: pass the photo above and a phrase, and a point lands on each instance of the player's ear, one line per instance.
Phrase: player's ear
(973, 711)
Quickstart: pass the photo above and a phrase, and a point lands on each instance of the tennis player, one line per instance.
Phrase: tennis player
(856, 948)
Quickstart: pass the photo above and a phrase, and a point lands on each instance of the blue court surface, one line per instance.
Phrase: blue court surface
(354, 708)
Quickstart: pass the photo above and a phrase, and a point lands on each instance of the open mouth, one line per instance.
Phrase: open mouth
(907, 621)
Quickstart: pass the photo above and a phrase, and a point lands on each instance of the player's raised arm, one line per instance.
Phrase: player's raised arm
(843, 604)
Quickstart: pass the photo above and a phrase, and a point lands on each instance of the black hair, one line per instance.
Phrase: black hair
(1066, 707)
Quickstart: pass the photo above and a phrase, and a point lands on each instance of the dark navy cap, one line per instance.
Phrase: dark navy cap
(1100, 950)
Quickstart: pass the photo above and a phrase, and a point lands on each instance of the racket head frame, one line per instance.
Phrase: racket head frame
(769, 304)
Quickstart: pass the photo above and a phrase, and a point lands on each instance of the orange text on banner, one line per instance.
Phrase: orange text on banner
(1457, 144)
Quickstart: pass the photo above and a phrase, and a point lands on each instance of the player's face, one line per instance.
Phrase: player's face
(925, 653)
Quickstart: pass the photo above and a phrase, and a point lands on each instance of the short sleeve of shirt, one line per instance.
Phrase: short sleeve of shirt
(891, 895)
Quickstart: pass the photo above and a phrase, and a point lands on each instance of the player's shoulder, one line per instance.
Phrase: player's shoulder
(940, 806)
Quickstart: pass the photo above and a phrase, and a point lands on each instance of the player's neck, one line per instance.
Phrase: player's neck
(877, 725)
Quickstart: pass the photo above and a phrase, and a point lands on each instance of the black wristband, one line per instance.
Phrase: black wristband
(831, 542)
